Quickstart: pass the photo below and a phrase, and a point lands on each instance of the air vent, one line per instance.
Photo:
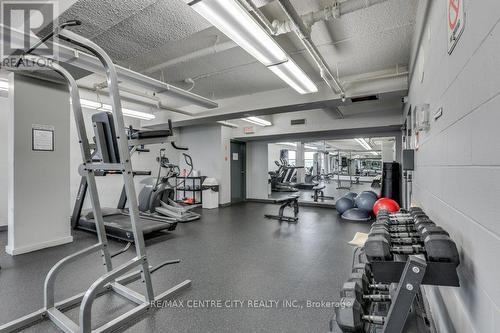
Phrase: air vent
(364, 98)
(297, 122)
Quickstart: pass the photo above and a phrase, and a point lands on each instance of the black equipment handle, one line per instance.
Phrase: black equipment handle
(177, 147)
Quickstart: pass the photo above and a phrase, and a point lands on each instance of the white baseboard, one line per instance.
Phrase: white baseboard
(38, 246)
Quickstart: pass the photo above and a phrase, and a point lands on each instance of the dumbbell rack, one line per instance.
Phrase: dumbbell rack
(405, 310)
(437, 273)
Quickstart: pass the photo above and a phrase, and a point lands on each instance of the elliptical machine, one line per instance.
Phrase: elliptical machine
(158, 194)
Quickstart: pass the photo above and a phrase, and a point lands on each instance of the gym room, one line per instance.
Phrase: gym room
(249, 166)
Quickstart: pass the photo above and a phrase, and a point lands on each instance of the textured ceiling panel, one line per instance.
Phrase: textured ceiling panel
(171, 50)
(142, 34)
(247, 80)
(99, 16)
(154, 26)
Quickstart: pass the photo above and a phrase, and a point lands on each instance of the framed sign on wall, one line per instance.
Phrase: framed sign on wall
(42, 138)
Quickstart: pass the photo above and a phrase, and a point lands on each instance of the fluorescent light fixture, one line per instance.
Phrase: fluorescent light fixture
(363, 143)
(236, 23)
(287, 144)
(294, 76)
(230, 17)
(310, 147)
(4, 85)
(227, 124)
(106, 107)
(257, 121)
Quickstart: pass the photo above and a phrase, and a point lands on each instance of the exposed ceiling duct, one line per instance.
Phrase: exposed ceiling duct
(334, 11)
(304, 33)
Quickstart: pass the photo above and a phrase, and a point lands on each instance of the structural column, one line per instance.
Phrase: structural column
(301, 173)
(38, 165)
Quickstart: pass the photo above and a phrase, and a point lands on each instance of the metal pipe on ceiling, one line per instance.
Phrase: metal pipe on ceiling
(304, 35)
(216, 48)
(334, 11)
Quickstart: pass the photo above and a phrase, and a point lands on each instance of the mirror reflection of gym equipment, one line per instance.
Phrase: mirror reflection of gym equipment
(324, 170)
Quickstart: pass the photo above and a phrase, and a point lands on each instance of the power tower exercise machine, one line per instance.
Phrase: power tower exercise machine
(340, 165)
(118, 159)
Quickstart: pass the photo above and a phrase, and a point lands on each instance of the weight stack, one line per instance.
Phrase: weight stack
(391, 181)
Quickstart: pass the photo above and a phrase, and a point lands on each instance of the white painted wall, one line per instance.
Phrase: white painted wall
(38, 182)
(209, 146)
(225, 177)
(457, 177)
(4, 111)
(257, 168)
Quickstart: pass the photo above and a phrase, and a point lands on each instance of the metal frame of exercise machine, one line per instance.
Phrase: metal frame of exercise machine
(339, 168)
(115, 278)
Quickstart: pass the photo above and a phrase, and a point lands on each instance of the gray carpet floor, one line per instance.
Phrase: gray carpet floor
(232, 253)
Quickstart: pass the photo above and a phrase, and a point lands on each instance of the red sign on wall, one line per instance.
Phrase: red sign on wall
(455, 22)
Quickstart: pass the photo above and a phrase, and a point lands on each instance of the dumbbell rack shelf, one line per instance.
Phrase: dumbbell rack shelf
(437, 273)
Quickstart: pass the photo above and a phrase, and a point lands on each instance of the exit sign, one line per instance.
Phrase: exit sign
(249, 130)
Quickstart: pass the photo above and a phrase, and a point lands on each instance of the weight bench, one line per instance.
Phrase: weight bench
(292, 202)
(318, 194)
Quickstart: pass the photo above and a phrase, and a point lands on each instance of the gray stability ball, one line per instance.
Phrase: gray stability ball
(356, 214)
(365, 201)
(344, 204)
(350, 195)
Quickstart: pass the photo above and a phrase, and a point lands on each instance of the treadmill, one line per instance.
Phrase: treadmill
(117, 220)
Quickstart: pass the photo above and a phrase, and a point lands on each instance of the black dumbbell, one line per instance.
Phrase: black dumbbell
(362, 268)
(402, 219)
(437, 247)
(413, 225)
(394, 228)
(352, 289)
(403, 214)
(409, 238)
(350, 316)
(362, 281)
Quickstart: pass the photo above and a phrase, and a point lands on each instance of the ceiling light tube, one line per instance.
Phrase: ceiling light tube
(227, 124)
(106, 107)
(363, 143)
(257, 121)
(235, 22)
(230, 17)
(287, 144)
(295, 77)
(310, 147)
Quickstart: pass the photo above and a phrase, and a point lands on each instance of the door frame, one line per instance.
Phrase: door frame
(244, 183)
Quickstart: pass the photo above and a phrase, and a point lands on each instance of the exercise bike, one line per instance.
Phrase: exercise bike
(158, 194)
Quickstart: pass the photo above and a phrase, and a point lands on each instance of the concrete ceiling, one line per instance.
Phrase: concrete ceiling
(142, 34)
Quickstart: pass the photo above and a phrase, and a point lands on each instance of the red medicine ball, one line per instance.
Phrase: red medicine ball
(386, 204)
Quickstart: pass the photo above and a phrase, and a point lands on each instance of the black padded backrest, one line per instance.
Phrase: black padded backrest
(105, 137)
